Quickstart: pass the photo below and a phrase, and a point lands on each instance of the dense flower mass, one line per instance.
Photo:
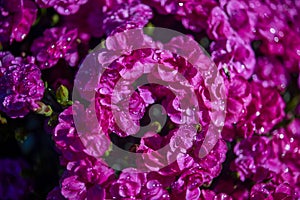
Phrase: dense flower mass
(21, 85)
(149, 114)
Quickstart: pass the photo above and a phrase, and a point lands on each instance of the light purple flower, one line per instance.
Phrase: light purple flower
(76, 144)
(20, 85)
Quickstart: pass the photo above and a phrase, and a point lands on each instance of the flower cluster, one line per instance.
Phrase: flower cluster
(21, 85)
(153, 119)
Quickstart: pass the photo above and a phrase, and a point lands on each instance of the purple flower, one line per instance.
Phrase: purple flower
(20, 85)
(271, 73)
(16, 19)
(56, 43)
(55, 194)
(235, 55)
(88, 20)
(126, 16)
(13, 185)
(63, 7)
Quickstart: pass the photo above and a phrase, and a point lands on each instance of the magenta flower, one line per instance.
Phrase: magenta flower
(271, 191)
(21, 85)
(271, 73)
(86, 178)
(259, 109)
(253, 153)
(218, 25)
(234, 55)
(241, 18)
(128, 185)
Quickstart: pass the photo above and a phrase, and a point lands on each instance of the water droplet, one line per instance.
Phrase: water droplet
(67, 10)
(68, 39)
(272, 30)
(287, 147)
(280, 33)
(23, 36)
(291, 140)
(180, 4)
(276, 39)
(298, 52)
(257, 113)
(52, 46)
(262, 129)
(281, 136)
(286, 170)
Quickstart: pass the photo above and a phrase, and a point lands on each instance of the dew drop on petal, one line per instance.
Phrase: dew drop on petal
(281, 136)
(287, 147)
(272, 30)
